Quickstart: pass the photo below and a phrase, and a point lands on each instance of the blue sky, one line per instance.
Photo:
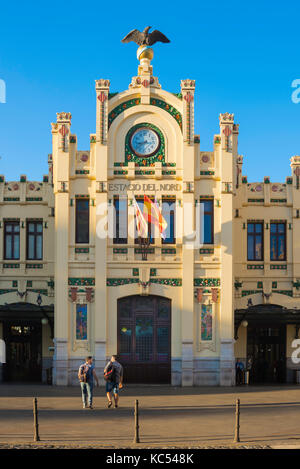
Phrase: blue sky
(243, 56)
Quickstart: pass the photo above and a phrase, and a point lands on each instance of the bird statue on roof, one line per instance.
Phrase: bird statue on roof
(145, 38)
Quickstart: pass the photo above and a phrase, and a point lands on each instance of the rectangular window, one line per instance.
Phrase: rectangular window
(81, 322)
(206, 322)
(278, 241)
(207, 221)
(82, 221)
(255, 242)
(140, 202)
(12, 240)
(34, 240)
(168, 212)
(120, 220)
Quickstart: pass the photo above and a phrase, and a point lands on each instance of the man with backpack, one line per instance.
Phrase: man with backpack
(113, 375)
(86, 375)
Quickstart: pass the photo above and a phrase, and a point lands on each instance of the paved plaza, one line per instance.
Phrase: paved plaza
(169, 417)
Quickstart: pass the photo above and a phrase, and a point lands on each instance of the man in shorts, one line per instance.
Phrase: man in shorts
(116, 383)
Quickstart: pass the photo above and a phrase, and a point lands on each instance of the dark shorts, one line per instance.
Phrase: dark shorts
(112, 387)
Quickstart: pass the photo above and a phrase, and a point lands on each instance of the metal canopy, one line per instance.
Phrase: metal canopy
(26, 311)
(23, 313)
(267, 314)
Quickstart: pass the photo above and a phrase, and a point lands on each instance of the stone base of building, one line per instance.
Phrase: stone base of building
(176, 371)
(60, 363)
(227, 363)
(206, 372)
(47, 369)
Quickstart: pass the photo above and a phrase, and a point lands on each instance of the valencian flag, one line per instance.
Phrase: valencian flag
(141, 223)
(153, 215)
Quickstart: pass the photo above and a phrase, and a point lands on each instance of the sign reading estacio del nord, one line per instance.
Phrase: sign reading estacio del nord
(173, 314)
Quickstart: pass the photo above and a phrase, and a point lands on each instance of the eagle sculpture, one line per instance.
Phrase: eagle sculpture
(145, 38)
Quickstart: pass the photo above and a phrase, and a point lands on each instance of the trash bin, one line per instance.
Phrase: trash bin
(246, 377)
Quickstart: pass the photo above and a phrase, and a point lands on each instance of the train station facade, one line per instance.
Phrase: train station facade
(224, 285)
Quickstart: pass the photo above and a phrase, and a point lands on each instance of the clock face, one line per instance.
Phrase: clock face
(144, 142)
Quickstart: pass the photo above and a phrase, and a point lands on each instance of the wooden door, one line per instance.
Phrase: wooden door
(144, 339)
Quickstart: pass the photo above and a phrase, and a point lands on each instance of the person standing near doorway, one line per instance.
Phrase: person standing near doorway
(239, 371)
(86, 375)
(113, 373)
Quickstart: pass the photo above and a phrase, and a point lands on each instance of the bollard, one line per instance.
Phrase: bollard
(136, 423)
(237, 422)
(35, 421)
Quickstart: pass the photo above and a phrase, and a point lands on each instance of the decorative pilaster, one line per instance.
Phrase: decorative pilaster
(226, 131)
(102, 90)
(239, 169)
(227, 164)
(50, 166)
(187, 320)
(61, 177)
(64, 125)
(295, 166)
(188, 90)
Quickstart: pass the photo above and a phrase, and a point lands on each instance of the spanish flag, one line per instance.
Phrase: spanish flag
(153, 215)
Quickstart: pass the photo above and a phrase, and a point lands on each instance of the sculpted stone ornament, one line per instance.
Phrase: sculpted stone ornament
(102, 83)
(145, 38)
(64, 116)
(226, 117)
(187, 84)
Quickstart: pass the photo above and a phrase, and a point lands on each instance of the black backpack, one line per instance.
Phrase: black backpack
(109, 373)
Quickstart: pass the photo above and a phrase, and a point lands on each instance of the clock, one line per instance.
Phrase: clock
(144, 142)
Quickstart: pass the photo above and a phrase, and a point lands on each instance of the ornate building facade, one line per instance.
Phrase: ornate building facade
(224, 284)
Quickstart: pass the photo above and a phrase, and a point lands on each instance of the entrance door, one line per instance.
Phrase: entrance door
(266, 347)
(24, 352)
(144, 338)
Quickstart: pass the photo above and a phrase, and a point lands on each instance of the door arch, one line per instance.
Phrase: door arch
(144, 338)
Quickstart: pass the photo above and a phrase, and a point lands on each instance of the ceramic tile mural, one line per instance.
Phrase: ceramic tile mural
(81, 322)
(206, 322)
